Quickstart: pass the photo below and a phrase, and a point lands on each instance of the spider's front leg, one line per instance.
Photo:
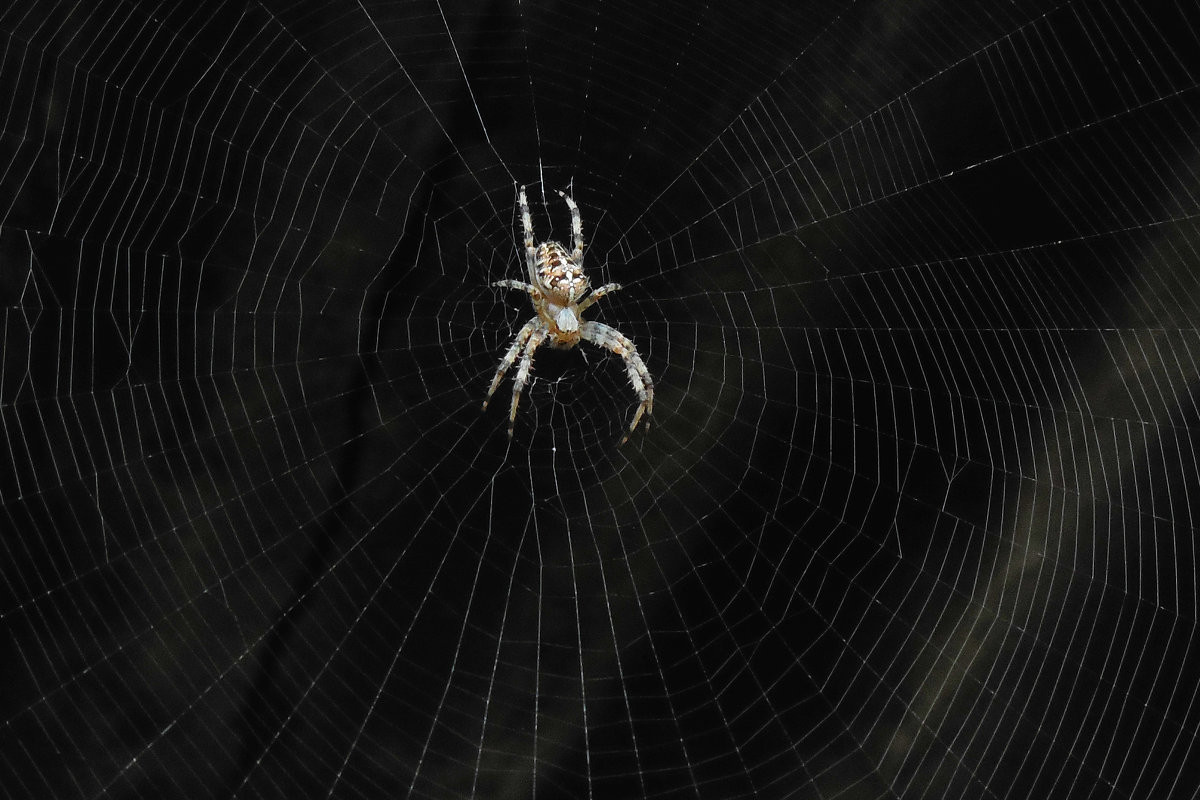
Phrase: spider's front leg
(539, 336)
(511, 356)
(612, 339)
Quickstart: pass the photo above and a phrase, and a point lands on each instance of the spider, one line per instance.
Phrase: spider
(557, 285)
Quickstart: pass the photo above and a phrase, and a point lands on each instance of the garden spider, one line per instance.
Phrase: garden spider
(557, 285)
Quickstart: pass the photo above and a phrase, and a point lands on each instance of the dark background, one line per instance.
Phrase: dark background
(915, 515)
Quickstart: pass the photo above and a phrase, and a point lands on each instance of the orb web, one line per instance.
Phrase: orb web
(914, 513)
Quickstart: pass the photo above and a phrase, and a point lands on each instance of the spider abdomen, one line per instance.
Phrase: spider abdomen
(560, 273)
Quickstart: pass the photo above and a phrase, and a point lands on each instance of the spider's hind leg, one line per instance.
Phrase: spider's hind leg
(576, 227)
(526, 219)
(527, 230)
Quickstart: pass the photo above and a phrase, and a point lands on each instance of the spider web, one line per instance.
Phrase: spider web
(915, 515)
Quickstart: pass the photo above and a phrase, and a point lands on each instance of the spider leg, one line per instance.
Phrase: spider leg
(522, 378)
(612, 339)
(576, 227)
(508, 283)
(511, 356)
(597, 294)
(527, 227)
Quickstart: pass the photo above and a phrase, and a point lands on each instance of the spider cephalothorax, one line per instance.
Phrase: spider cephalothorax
(557, 286)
